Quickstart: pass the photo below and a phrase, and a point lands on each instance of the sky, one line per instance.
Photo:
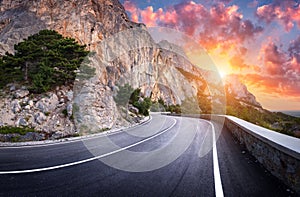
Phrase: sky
(257, 40)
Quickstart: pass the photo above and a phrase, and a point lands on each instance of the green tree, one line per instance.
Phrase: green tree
(43, 61)
(127, 95)
(143, 106)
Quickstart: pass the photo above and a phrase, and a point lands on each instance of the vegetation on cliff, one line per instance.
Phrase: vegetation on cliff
(42, 61)
(127, 95)
(276, 121)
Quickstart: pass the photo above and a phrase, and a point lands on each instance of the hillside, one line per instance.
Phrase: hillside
(241, 103)
(121, 52)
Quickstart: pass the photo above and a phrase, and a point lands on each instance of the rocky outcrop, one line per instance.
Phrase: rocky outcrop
(124, 52)
(239, 91)
(88, 21)
(45, 113)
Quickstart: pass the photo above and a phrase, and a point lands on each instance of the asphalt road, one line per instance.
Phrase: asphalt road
(169, 156)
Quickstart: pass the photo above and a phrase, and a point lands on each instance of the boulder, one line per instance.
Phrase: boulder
(62, 100)
(22, 122)
(21, 93)
(12, 88)
(42, 106)
(40, 118)
(30, 103)
(69, 109)
(15, 106)
(133, 109)
(70, 95)
(52, 102)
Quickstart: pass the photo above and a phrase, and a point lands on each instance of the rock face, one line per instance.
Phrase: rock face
(43, 113)
(237, 89)
(88, 21)
(124, 53)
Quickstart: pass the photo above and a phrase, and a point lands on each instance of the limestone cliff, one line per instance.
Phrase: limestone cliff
(124, 53)
(239, 91)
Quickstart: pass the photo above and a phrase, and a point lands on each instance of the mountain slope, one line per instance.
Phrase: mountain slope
(243, 104)
(123, 52)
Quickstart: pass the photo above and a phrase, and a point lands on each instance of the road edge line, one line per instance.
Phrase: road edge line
(217, 174)
(90, 159)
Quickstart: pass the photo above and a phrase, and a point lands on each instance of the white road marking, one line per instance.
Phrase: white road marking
(87, 160)
(217, 175)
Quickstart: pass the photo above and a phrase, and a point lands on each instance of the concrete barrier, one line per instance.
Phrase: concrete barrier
(278, 153)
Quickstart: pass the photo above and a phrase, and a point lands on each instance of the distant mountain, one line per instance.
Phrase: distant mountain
(243, 104)
(292, 113)
(239, 91)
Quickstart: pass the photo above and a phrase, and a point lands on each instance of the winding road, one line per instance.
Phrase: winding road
(167, 156)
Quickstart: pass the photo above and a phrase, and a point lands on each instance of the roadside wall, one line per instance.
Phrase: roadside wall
(278, 153)
(282, 161)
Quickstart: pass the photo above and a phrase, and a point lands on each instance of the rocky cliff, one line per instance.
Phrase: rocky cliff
(123, 52)
(235, 88)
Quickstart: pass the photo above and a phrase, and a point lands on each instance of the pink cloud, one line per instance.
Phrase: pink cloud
(284, 12)
(294, 48)
(280, 70)
(132, 9)
(274, 60)
(219, 26)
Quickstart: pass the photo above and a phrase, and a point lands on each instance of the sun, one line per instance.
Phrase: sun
(222, 74)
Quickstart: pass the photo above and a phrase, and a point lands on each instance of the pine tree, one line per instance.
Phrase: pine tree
(43, 61)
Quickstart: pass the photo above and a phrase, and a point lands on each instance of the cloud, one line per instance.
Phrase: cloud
(218, 27)
(132, 9)
(286, 12)
(280, 70)
(294, 53)
(224, 1)
(273, 59)
(237, 63)
(294, 49)
(274, 85)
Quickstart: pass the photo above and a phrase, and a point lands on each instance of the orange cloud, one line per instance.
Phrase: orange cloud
(282, 86)
(237, 62)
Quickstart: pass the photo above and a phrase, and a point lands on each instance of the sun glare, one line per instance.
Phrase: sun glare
(222, 74)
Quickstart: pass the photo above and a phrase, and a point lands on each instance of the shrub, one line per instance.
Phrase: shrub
(19, 130)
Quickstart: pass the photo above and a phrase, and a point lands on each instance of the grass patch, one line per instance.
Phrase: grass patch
(15, 130)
